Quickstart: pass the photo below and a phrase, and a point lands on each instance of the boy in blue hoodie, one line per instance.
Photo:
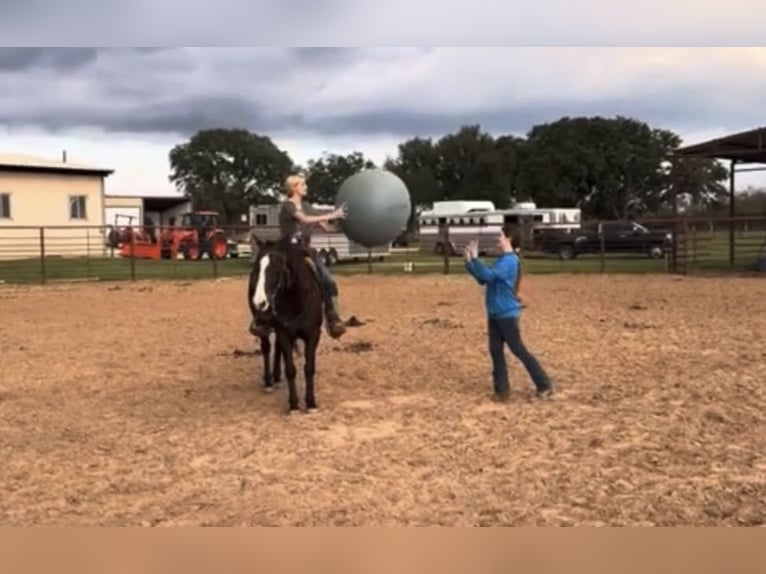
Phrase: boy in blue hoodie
(501, 281)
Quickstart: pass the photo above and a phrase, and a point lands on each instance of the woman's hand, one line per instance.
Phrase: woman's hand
(339, 213)
(473, 248)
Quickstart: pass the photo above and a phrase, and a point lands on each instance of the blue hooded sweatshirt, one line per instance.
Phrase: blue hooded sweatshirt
(500, 279)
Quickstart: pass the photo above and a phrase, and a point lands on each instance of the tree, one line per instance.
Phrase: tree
(471, 165)
(227, 170)
(699, 183)
(610, 167)
(326, 174)
(751, 201)
(415, 164)
(509, 151)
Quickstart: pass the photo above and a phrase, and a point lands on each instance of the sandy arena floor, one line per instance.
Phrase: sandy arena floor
(134, 404)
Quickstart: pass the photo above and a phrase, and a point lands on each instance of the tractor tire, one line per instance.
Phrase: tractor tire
(219, 247)
(191, 252)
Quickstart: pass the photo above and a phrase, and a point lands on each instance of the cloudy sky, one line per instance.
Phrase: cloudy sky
(125, 108)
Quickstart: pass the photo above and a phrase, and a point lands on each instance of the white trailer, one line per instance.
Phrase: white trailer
(483, 226)
(332, 247)
(458, 206)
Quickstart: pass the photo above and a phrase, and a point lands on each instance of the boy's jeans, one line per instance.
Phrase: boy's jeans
(506, 332)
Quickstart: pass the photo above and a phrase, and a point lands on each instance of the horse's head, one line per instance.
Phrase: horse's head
(272, 275)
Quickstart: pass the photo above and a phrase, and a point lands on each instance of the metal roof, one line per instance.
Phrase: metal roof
(25, 163)
(742, 147)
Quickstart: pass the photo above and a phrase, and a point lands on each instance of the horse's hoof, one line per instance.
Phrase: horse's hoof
(312, 410)
(268, 390)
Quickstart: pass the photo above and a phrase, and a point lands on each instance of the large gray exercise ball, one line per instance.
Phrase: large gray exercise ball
(378, 207)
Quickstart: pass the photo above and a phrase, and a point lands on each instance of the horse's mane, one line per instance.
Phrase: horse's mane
(295, 258)
(296, 262)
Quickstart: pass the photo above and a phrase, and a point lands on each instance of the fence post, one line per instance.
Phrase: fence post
(132, 257)
(694, 247)
(369, 261)
(602, 246)
(446, 247)
(43, 275)
(87, 253)
(686, 246)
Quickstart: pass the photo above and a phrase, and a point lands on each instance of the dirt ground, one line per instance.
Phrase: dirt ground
(140, 404)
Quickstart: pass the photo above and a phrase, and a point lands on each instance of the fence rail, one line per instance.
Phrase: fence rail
(49, 254)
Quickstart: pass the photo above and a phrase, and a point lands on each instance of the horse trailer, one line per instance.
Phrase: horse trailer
(332, 246)
(484, 226)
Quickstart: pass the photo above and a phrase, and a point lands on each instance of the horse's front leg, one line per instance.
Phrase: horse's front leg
(277, 361)
(268, 380)
(309, 370)
(286, 348)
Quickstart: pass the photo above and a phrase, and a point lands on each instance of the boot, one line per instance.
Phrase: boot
(335, 327)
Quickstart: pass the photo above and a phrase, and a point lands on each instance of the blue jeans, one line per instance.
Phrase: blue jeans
(328, 281)
(506, 332)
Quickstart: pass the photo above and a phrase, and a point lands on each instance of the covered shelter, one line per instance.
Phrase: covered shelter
(746, 149)
(162, 210)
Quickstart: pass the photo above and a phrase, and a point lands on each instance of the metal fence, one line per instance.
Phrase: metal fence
(682, 245)
(49, 254)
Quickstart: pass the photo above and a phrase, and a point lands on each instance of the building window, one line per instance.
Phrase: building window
(77, 207)
(260, 219)
(5, 205)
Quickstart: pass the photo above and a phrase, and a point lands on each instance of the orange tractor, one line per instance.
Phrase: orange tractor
(198, 234)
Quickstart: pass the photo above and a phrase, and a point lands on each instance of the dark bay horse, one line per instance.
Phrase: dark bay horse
(286, 292)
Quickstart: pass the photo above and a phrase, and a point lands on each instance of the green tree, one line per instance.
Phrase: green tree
(751, 201)
(228, 170)
(509, 150)
(471, 165)
(468, 164)
(326, 174)
(610, 167)
(699, 183)
(415, 164)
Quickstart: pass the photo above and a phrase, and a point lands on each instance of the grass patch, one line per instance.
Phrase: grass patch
(710, 257)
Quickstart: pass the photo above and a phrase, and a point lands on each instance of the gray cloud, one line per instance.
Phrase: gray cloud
(56, 58)
(660, 112)
(357, 92)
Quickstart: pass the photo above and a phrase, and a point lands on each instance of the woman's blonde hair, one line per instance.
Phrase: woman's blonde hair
(291, 181)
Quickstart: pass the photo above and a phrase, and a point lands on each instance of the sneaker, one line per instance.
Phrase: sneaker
(544, 393)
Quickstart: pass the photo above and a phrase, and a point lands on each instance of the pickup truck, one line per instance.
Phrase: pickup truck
(618, 237)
